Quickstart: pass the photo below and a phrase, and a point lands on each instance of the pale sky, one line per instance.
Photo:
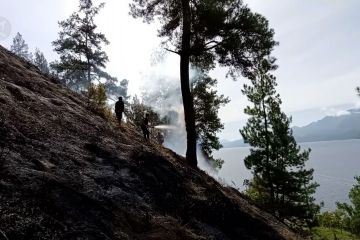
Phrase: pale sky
(318, 55)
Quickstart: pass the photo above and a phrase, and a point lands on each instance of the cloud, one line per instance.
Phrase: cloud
(335, 111)
(341, 113)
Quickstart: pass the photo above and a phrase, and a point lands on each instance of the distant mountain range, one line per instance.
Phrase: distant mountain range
(345, 126)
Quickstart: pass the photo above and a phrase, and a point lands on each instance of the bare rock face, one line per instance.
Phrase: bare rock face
(66, 173)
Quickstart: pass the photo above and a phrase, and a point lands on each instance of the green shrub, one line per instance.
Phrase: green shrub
(323, 233)
(352, 211)
(98, 101)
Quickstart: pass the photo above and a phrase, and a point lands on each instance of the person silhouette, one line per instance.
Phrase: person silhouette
(119, 109)
(145, 127)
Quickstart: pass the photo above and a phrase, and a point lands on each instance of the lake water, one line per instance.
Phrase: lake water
(335, 164)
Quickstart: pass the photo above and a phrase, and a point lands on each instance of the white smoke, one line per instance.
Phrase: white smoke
(163, 94)
(175, 139)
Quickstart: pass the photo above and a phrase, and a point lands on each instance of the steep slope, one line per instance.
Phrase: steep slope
(65, 173)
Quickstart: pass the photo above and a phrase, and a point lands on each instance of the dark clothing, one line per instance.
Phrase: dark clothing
(146, 132)
(119, 116)
(146, 122)
(119, 109)
(145, 128)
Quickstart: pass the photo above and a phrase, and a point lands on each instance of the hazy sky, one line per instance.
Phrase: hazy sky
(318, 55)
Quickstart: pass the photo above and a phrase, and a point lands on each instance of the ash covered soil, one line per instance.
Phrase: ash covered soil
(66, 173)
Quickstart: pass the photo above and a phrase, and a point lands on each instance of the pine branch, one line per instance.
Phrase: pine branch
(176, 52)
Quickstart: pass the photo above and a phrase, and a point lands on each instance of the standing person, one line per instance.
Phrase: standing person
(119, 109)
(145, 127)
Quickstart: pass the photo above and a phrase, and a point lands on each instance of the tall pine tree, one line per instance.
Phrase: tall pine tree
(80, 48)
(281, 182)
(20, 48)
(204, 33)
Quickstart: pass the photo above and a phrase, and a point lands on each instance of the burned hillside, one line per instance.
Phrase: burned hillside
(66, 173)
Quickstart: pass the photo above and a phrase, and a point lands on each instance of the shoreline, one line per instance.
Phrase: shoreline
(300, 143)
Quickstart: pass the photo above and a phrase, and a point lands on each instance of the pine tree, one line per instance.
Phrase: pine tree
(115, 88)
(41, 62)
(20, 48)
(207, 103)
(80, 48)
(204, 33)
(353, 210)
(281, 182)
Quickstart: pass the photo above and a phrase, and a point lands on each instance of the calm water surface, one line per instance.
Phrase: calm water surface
(335, 164)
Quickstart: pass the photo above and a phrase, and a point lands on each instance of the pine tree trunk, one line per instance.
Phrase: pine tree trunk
(272, 192)
(185, 86)
(88, 62)
(87, 51)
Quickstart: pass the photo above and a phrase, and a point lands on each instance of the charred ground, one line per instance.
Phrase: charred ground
(66, 173)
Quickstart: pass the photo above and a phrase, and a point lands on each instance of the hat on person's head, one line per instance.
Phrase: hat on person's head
(120, 98)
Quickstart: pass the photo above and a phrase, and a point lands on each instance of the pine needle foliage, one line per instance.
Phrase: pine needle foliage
(281, 183)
